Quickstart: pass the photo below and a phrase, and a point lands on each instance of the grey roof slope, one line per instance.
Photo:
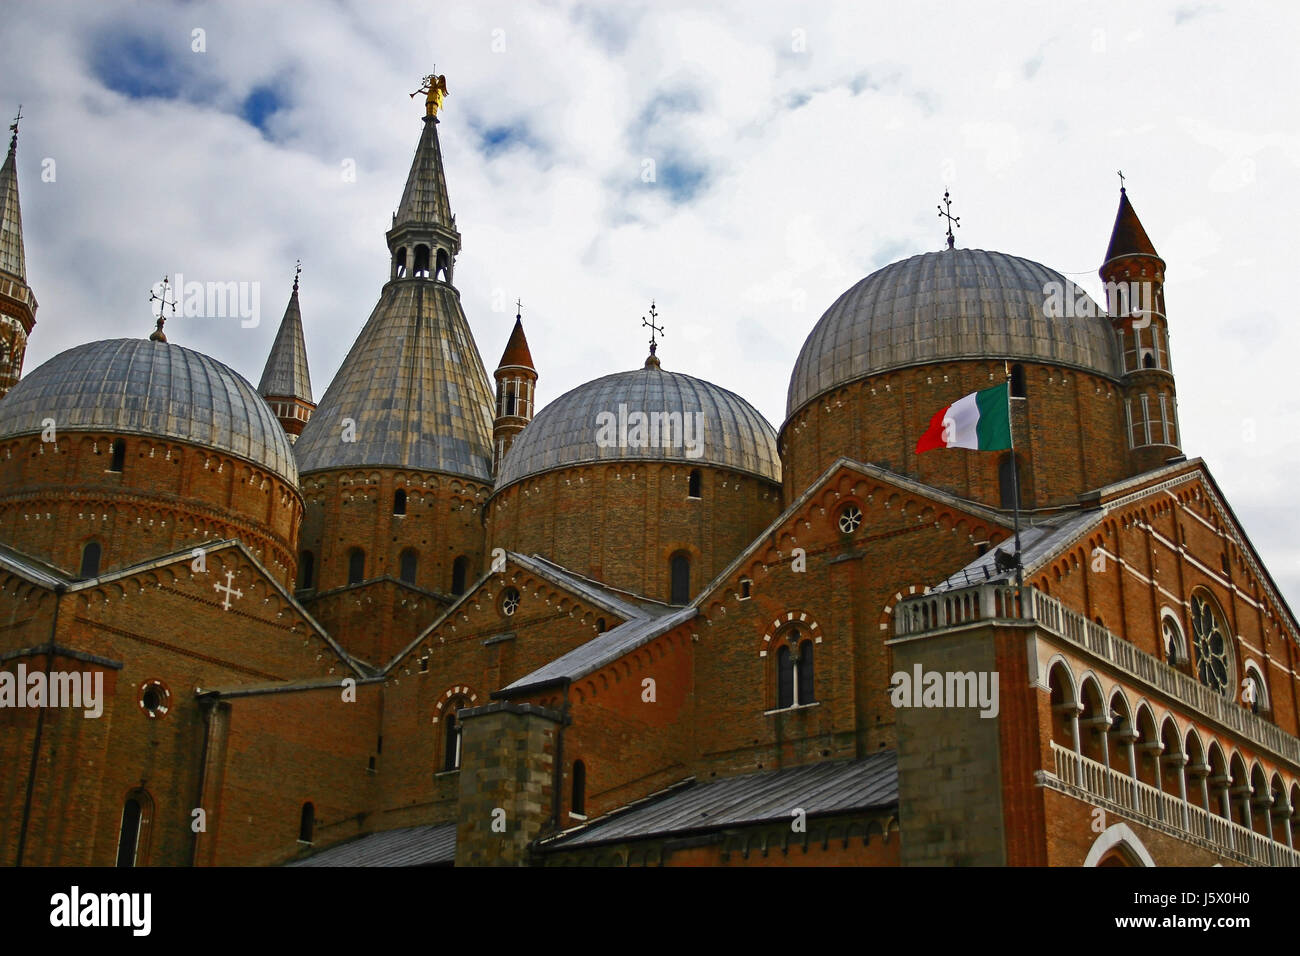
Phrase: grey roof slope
(424, 200)
(1038, 542)
(13, 260)
(831, 787)
(410, 846)
(142, 387)
(286, 374)
(33, 569)
(943, 306)
(565, 432)
(415, 387)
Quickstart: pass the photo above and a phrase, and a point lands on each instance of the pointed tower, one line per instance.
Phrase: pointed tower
(17, 304)
(396, 460)
(1134, 276)
(286, 382)
(516, 381)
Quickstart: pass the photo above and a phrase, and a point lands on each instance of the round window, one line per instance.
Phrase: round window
(1213, 650)
(509, 601)
(155, 699)
(850, 519)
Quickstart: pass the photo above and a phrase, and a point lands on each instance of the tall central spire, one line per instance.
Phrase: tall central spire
(17, 304)
(423, 240)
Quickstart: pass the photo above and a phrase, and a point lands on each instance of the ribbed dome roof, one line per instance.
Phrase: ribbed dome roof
(142, 387)
(955, 304)
(565, 432)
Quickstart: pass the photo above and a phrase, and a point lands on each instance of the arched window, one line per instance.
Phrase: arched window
(1017, 381)
(451, 734)
(443, 272)
(306, 822)
(408, 562)
(459, 571)
(578, 805)
(356, 566)
(680, 578)
(794, 666)
(511, 400)
(1215, 655)
(306, 569)
(421, 269)
(1149, 360)
(1254, 692)
(693, 484)
(399, 269)
(399, 501)
(117, 452)
(1007, 480)
(133, 837)
(90, 556)
(1175, 647)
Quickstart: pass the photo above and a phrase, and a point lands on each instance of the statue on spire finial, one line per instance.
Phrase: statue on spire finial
(652, 360)
(434, 88)
(297, 271)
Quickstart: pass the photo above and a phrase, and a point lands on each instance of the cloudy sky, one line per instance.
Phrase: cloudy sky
(796, 147)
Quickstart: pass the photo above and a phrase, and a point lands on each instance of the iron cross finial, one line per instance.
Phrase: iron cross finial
(519, 309)
(952, 220)
(654, 329)
(297, 271)
(163, 303)
(1121, 179)
(13, 128)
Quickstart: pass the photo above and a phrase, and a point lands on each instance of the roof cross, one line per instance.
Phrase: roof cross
(519, 308)
(952, 220)
(163, 303)
(297, 271)
(1121, 179)
(654, 329)
(13, 127)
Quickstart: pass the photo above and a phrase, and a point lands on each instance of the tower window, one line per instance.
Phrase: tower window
(693, 484)
(1149, 360)
(118, 455)
(306, 822)
(443, 271)
(134, 822)
(578, 804)
(680, 578)
(451, 735)
(511, 401)
(408, 562)
(399, 502)
(90, 556)
(421, 270)
(306, 569)
(356, 566)
(1017, 381)
(459, 571)
(399, 261)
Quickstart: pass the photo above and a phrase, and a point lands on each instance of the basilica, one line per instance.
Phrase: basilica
(422, 621)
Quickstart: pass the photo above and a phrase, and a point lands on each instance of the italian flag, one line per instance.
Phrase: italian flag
(979, 421)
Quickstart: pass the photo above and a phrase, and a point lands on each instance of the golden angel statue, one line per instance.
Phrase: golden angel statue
(435, 90)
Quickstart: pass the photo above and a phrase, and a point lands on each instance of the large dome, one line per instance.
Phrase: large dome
(956, 304)
(566, 431)
(142, 387)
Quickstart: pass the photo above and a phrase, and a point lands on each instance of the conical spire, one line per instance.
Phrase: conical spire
(1128, 238)
(13, 261)
(424, 200)
(516, 353)
(286, 374)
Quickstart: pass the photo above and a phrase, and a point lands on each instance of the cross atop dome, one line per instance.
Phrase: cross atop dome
(652, 361)
(952, 220)
(163, 302)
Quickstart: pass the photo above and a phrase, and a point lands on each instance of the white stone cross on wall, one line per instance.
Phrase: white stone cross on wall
(230, 592)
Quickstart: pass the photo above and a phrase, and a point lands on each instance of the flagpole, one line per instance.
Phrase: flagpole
(1015, 480)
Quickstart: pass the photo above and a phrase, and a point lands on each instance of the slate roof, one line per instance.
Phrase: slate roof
(946, 306)
(424, 200)
(566, 432)
(1038, 542)
(286, 374)
(33, 569)
(411, 846)
(516, 351)
(142, 387)
(820, 789)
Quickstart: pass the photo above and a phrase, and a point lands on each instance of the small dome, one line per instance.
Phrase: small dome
(142, 387)
(951, 305)
(568, 431)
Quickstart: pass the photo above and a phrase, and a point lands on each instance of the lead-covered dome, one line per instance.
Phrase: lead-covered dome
(568, 431)
(955, 304)
(142, 387)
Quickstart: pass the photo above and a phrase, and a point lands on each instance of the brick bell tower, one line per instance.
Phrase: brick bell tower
(516, 382)
(17, 303)
(1134, 275)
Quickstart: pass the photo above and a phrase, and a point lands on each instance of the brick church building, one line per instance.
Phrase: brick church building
(426, 622)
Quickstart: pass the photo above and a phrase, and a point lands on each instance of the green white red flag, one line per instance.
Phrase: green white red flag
(980, 421)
